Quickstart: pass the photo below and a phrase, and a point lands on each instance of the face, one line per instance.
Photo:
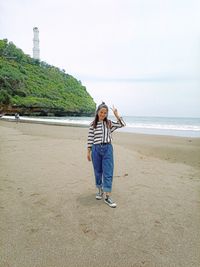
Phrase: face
(102, 114)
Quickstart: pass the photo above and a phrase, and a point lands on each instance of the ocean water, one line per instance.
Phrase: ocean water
(186, 127)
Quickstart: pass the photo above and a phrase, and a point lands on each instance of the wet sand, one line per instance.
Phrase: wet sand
(49, 216)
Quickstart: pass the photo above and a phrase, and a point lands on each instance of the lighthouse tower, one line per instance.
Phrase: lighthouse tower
(36, 49)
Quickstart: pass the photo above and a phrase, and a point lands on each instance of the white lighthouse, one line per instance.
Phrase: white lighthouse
(36, 49)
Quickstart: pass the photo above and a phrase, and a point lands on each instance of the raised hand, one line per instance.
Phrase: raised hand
(115, 111)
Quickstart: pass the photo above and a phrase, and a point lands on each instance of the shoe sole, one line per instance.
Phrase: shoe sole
(98, 198)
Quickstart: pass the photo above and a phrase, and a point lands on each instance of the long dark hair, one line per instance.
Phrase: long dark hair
(96, 119)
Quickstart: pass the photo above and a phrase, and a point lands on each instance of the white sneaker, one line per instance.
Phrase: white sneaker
(110, 202)
(99, 195)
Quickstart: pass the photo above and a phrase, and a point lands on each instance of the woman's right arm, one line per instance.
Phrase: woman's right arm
(90, 142)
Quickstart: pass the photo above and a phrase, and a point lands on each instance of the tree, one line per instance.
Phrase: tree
(5, 98)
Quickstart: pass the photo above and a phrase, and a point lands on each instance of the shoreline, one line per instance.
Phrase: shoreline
(82, 125)
(35, 121)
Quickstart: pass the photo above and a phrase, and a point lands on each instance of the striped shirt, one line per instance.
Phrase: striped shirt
(102, 133)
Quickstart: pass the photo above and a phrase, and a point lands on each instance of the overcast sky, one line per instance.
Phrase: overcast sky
(141, 55)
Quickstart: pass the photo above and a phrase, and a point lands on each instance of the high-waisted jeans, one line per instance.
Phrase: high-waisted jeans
(102, 159)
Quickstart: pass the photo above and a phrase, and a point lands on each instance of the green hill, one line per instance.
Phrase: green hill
(33, 87)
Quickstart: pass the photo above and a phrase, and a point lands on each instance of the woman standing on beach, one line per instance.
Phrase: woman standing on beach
(100, 150)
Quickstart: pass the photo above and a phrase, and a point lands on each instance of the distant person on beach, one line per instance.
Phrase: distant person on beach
(100, 151)
(17, 117)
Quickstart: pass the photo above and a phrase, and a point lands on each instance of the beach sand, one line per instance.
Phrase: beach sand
(49, 216)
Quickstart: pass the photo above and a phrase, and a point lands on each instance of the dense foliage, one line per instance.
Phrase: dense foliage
(28, 83)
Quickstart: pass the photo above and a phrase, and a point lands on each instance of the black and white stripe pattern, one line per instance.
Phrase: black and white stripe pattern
(102, 133)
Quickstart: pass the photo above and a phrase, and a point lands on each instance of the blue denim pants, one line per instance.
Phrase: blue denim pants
(102, 159)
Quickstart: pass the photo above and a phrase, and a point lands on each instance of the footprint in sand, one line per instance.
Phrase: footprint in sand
(33, 230)
(142, 185)
(39, 202)
(87, 231)
(120, 176)
(58, 215)
(34, 194)
(157, 223)
(20, 191)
